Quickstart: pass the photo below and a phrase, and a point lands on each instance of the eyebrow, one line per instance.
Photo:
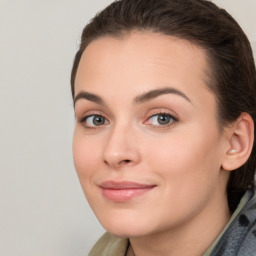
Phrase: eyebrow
(89, 96)
(144, 97)
(147, 96)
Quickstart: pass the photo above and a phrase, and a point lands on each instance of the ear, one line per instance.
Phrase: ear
(240, 142)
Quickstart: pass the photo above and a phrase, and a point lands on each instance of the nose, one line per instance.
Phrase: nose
(121, 148)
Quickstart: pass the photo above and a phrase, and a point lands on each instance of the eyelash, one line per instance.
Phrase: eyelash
(172, 121)
(85, 118)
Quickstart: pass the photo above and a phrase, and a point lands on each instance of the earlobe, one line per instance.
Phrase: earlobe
(241, 136)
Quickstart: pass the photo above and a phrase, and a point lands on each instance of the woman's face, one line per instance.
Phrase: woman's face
(147, 146)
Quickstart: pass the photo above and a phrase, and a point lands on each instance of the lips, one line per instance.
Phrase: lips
(124, 191)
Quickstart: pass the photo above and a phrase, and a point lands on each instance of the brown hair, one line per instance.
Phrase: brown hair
(233, 75)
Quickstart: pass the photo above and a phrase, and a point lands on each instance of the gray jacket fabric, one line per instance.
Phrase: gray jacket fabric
(240, 237)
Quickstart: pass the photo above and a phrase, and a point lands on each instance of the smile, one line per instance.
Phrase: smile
(123, 191)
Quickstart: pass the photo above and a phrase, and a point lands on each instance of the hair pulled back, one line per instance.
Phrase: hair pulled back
(230, 58)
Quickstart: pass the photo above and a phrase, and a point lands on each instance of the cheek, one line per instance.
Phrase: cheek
(188, 170)
(190, 156)
(85, 156)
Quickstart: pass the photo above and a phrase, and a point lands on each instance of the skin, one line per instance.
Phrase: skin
(187, 208)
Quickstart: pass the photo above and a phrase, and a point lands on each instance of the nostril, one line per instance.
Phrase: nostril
(124, 162)
(118, 163)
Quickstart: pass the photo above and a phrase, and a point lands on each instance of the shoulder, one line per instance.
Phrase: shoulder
(109, 245)
(240, 237)
(247, 227)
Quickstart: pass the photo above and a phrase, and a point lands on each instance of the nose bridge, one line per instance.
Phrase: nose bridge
(121, 147)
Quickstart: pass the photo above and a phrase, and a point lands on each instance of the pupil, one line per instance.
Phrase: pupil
(163, 119)
(98, 120)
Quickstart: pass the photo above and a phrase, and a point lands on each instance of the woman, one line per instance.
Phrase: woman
(164, 95)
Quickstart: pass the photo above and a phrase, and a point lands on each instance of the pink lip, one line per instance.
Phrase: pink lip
(123, 191)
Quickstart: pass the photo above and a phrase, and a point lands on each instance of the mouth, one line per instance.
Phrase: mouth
(124, 191)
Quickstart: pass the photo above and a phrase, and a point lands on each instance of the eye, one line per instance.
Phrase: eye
(94, 121)
(162, 119)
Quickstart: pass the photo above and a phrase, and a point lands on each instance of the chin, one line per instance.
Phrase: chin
(127, 220)
(126, 227)
(127, 233)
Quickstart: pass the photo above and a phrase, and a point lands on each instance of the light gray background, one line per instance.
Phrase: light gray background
(42, 208)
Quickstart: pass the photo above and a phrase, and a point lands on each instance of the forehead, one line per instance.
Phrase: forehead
(141, 58)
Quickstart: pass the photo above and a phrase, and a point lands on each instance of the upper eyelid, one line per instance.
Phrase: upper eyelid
(162, 111)
(84, 114)
(82, 107)
(85, 117)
